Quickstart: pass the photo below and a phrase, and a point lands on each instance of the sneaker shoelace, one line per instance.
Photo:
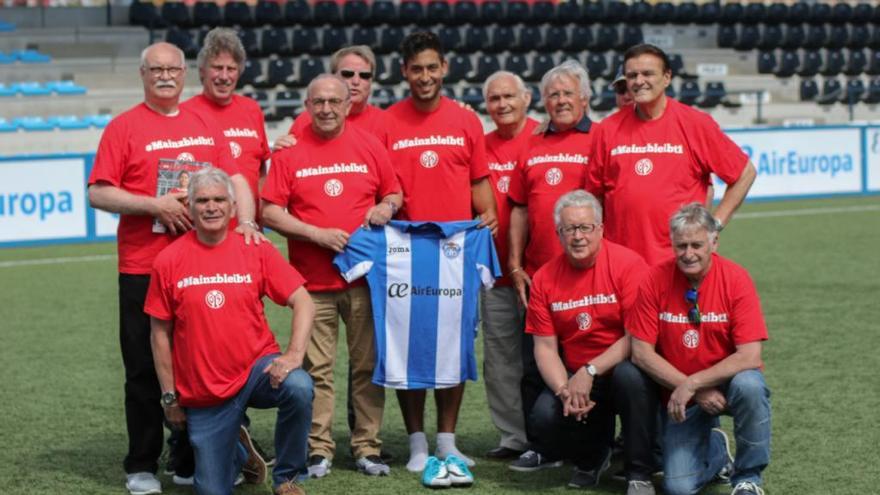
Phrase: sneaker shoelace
(748, 485)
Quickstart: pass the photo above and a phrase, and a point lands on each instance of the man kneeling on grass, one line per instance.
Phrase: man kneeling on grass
(697, 329)
(205, 297)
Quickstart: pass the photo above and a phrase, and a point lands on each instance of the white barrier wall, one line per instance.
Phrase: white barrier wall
(43, 198)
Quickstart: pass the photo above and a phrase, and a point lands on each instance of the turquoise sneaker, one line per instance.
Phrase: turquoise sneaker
(435, 474)
(459, 474)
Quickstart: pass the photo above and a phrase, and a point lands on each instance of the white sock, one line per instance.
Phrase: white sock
(418, 452)
(446, 446)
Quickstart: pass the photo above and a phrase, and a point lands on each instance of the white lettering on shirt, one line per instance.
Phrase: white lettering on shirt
(629, 149)
(237, 132)
(336, 168)
(428, 141)
(558, 158)
(164, 144)
(585, 301)
(219, 278)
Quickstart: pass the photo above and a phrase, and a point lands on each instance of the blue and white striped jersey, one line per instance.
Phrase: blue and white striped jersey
(424, 280)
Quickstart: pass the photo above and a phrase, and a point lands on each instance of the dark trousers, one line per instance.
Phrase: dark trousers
(532, 384)
(143, 412)
(637, 403)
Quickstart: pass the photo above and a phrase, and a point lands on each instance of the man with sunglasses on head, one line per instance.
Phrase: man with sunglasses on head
(124, 180)
(577, 307)
(657, 155)
(337, 178)
(697, 330)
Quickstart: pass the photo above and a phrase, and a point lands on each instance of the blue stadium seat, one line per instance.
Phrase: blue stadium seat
(460, 67)
(555, 39)
(487, 64)
(686, 13)
(287, 103)
(748, 37)
(297, 12)
(100, 120)
(530, 38)
(862, 13)
(616, 11)
(841, 13)
(208, 14)
(8, 90)
(66, 88)
(275, 41)
(593, 12)
(713, 95)
(181, 38)
(689, 92)
(809, 90)
(832, 91)
(28, 56)
(568, 12)
(754, 13)
(767, 63)
(615, 65)
(727, 36)
(838, 37)
(389, 39)
(332, 39)
(250, 73)
(731, 13)
(237, 13)
(365, 35)
(606, 38)
(710, 13)
(834, 63)
(605, 100)
(268, 12)
(475, 38)
(798, 13)
(473, 96)
(873, 68)
(383, 12)
(261, 97)
(144, 14)
(392, 74)
(543, 11)
(465, 12)
(8, 126)
(771, 37)
(279, 73)
(794, 37)
(856, 63)
(854, 91)
(33, 123)
(872, 95)
(7, 58)
(518, 64)
(676, 65)
(581, 36)
(491, 11)
(540, 65)
(596, 65)
(326, 12)
(355, 12)
(816, 37)
(250, 42)
(777, 13)
(500, 39)
(33, 88)
(536, 102)
(438, 12)
(69, 122)
(518, 12)
(176, 14)
(820, 12)
(382, 97)
(308, 69)
(448, 92)
(790, 64)
(410, 12)
(874, 39)
(632, 35)
(858, 37)
(662, 13)
(812, 63)
(450, 38)
(305, 41)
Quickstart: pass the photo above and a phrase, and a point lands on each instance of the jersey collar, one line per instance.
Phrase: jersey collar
(583, 126)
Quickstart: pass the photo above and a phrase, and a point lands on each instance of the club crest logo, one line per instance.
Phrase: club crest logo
(644, 166)
(333, 187)
(429, 159)
(186, 157)
(553, 176)
(691, 339)
(215, 299)
(235, 149)
(451, 250)
(503, 184)
(584, 321)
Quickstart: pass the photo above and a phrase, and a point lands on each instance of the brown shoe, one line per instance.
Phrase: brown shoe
(289, 488)
(254, 469)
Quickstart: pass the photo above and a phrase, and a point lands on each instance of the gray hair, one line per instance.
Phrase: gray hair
(570, 68)
(147, 49)
(576, 199)
(690, 216)
(520, 85)
(218, 41)
(206, 177)
(321, 77)
(362, 51)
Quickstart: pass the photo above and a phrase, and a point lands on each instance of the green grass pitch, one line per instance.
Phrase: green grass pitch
(817, 269)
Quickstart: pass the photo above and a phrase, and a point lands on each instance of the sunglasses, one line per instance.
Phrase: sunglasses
(348, 74)
(691, 296)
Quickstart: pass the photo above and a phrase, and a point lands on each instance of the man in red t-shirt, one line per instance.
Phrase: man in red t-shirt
(214, 353)
(507, 101)
(578, 303)
(241, 120)
(124, 180)
(652, 158)
(439, 153)
(336, 179)
(697, 330)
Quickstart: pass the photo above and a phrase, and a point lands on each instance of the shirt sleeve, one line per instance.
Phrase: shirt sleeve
(487, 258)
(747, 318)
(112, 155)
(538, 318)
(224, 161)
(715, 151)
(302, 120)
(388, 183)
(632, 276)
(642, 321)
(358, 257)
(516, 190)
(479, 161)
(594, 179)
(280, 280)
(158, 300)
(277, 188)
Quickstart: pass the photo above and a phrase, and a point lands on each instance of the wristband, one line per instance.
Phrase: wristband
(250, 223)
(718, 225)
(518, 269)
(392, 206)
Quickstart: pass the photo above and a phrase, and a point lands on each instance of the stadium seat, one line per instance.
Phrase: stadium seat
(326, 12)
(392, 74)
(662, 13)
(686, 13)
(790, 64)
(568, 12)
(487, 64)
(713, 95)
(250, 42)
(176, 14)
(862, 13)
(491, 11)
(767, 63)
(616, 11)
(670, 91)
(69, 122)
(873, 68)
(308, 69)
(251, 73)
(268, 12)
(410, 12)
(606, 38)
(448, 92)
(581, 36)
(820, 12)
(475, 38)
(355, 12)
(305, 41)
(872, 95)
(605, 100)
(279, 73)
(144, 14)
(208, 14)
(676, 65)
(261, 97)
(859, 36)
(615, 65)
(438, 12)
(809, 90)
(855, 63)
(66, 88)
(536, 102)
(364, 35)
(8, 90)
(874, 39)
(181, 38)
(33, 123)
(518, 12)
(389, 39)
(530, 38)
(812, 63)
(689, 92)
(100, 120)
(754, 13)
(450, 38)
(7, 125)
(275, 41)
(710, 13)
(596, 64)
(297, 12)
(540, 65)
(731, 13)
(831, 92)
(798, 13)
(287, 103)
(518, 64)
(794, 37)
(632, 35)
(473, 96)
(834, 63)
(777, 13)
(727, 36)
(501, 38)
(332, 39)
(237, 13)
(556, 39)
(854, 91)
(593, 13)
(460, 67)
(749, 36)
(838, 37)
(543, 11)
(816, 37)
(771, 37)
(464, 12)
(841, 13)
(33, 88)
(382, 97)
(7, 58)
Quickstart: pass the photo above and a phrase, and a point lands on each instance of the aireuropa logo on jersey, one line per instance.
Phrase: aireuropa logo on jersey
(42, 199)
(402, 289)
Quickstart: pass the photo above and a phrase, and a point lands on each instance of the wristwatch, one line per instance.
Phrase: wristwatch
(392, 206)
(591, 370)
(252, 224)
(169, 399)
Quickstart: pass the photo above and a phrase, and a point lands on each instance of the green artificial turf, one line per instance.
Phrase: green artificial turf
(818, 275)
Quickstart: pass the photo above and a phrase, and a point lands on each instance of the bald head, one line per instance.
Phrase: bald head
(328, 102)
(163, 70)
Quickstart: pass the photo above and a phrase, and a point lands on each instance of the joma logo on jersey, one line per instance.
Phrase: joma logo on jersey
(451, 250)
(398, 249)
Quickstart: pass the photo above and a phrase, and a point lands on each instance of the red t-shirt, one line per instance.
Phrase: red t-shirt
(729, 307)
(243, 126)
(128, 157)
(436, 156)
(552, 164)
(585, 309)
(213, 296)
(502, 155)
(328, 183)
(648, 170)
(370, 119)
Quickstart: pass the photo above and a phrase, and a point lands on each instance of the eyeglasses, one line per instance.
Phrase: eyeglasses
(320, 102)
(172, 71)
(694, 316)
(586, 228)
(348, 74)
(559, 95)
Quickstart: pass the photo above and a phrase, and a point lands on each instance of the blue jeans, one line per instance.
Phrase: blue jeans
(693, 454)
(213, 431)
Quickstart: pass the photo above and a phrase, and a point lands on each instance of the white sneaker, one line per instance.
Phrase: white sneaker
(182, 481)
(319, 466)
(459, 474)
(372, 465)
(143, 483)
